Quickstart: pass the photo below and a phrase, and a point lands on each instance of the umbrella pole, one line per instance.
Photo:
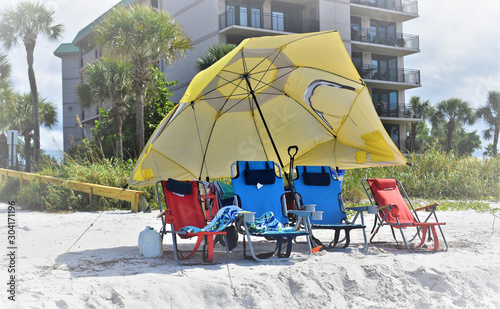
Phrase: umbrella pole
(263, 120)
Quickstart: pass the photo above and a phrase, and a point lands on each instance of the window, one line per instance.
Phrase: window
(382, 32)
(247, 13)
(357, 59)
(384, 68)
(393, 130)
(356, 28)
(278, 21)
(286, 17)
(385, 102)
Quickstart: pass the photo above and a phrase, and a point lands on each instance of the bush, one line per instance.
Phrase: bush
(434, 175)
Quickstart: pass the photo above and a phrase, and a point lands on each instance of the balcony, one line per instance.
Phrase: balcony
(399, 110)
(266, 23)
(397, 79)
(397, 44)
(394, 10)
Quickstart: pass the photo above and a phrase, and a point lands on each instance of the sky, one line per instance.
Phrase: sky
(459, 58)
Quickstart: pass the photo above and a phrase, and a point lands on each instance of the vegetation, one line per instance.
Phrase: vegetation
(137, 38)
(25, 23)
(107, 80)
(214, 53)
(419, 110)
(435, 175)
(452, 114)
(16, 114)
(432, 176)
(491, 115)
(142, 36)
(104, 134)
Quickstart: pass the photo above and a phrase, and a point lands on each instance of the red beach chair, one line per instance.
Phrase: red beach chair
(390, 198)
(184, 208)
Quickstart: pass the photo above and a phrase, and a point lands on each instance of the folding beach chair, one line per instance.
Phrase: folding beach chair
(391, 200)
(316, 185)
(260, 191)
(184, 208)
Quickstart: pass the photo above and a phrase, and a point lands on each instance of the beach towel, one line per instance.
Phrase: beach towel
(267, 223)
(225, 216)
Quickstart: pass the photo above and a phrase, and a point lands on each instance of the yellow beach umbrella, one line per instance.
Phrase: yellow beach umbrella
(267, 94)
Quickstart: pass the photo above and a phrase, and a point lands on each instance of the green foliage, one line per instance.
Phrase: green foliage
(9, 190)
(157, 101)
(214, 53)
(490, 113)
(102, 144)
(434, 175)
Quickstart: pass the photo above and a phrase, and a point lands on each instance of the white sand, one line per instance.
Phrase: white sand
(104, 269)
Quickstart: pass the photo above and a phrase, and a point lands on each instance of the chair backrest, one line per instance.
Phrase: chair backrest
(315, 185)
(386, 191)
(259, 188)
(182, 199)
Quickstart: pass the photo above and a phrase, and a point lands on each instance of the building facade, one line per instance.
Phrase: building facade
(372, 32)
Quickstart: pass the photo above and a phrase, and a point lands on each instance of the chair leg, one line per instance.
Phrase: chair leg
(424, 233)
(444, 238)
(209, 241)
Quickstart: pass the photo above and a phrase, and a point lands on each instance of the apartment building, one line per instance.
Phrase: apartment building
(372, 31)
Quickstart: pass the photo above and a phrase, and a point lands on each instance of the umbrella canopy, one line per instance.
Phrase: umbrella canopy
(267, 94)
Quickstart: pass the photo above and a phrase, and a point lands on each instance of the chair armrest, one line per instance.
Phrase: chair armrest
(301, 213)
(370, 209)
(161, 214)
(393, 208)
(385, 206)
(432, 206)
(247, 216)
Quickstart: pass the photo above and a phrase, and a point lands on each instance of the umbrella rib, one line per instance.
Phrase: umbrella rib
(267, 70)
(173, 161)
(204, 152)
(258, 133)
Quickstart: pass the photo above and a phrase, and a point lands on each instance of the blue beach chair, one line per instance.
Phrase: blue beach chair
(259, 190)
(316, 185)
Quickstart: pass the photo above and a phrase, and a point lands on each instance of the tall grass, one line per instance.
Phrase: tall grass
(434, 175)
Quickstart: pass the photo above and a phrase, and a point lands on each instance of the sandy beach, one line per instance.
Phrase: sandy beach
(105, 270)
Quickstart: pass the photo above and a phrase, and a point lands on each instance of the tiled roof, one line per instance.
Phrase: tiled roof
(66, 49)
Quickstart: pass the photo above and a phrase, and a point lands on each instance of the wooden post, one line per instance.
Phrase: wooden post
(135, 202)
(90, 195)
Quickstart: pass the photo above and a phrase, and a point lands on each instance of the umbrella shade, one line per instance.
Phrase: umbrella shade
(267, 94)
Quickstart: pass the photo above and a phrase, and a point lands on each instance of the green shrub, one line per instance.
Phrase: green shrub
(9, 189)
(432, 176)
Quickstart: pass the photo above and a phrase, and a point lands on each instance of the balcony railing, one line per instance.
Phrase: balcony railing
(405, 6)
(397, 39)
(399, 110)
(277, 22)
(407, 76)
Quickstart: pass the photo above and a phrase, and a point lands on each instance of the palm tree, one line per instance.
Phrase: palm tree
(19, 112)
(455, 113)
(4, 68)
(419, 109)
(143, 36)
(25, 23)
(491, 115)
(214, 53)
(107, 80)
(5, 84)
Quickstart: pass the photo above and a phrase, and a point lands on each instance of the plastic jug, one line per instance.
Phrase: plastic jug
(152, 244)
(141, 239)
